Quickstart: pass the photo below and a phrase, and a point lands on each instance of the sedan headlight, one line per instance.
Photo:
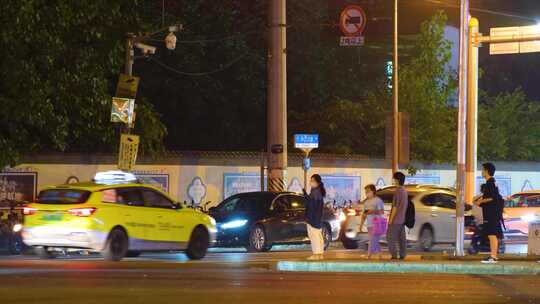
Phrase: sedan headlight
(17, 227)
(234, 224)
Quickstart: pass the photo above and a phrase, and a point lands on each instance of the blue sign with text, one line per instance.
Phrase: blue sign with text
(309, 141)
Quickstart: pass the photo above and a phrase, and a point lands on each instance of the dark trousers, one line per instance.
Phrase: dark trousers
(396, 238)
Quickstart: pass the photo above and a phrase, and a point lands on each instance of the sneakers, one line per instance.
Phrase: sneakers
(490, 260)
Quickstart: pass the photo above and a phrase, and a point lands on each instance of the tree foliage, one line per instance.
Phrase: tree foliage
(58, 68)
(508, 127)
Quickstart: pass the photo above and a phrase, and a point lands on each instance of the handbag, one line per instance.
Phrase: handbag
(379, 225)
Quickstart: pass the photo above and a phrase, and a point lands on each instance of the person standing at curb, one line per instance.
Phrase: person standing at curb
(314, 214)
(396, 224)
(492, 210)
(373, 216)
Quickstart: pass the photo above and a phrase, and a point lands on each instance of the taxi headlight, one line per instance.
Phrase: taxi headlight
(212, 221)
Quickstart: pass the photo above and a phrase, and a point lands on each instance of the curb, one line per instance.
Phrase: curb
(409, 267)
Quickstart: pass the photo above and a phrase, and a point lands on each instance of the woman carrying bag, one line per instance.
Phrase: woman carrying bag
(314, 214)
(373, 216)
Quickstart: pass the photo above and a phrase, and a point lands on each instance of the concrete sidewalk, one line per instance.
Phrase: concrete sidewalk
(441, 264)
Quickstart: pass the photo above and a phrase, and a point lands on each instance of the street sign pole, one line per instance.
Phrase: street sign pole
(306, 143)
(461, 136)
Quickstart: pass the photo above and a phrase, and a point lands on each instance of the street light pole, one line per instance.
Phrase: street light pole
(395, 92)
(462, 127)
(277, 97)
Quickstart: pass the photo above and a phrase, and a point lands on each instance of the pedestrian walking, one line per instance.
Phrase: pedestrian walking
(492, 205)
(373, 217)
(396, 223)
(314, 214)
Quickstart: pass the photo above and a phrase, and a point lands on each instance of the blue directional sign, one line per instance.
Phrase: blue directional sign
(306, 141)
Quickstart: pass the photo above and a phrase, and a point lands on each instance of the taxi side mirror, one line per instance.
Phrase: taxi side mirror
(177, 206)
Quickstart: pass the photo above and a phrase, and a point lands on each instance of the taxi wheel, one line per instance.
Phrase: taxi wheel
(198, 244)
(117, 245)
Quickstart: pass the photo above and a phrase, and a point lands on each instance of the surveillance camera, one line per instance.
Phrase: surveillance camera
(145, 48)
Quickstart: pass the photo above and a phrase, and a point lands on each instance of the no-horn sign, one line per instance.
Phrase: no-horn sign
(353, 20)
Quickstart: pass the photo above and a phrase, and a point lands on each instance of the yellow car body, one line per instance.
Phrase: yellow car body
(100, 217)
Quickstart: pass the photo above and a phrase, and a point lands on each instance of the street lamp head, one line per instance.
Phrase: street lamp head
(170, 41)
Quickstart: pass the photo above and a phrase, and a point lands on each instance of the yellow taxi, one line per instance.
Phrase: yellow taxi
(116, 216)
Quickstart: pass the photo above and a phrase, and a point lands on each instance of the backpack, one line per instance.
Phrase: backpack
(410, 215)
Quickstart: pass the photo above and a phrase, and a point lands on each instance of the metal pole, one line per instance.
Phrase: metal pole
(461, 136)
(395, 92)
(262, 169)
(130, 54)
(472, 112)
(277, 97)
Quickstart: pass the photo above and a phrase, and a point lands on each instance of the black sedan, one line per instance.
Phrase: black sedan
(258, 220)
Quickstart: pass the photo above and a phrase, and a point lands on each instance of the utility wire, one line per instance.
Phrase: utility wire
(481, 10)
(222, 68)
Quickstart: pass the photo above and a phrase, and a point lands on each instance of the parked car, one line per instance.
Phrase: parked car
(520, 209)
(259, 220)
(435, 217)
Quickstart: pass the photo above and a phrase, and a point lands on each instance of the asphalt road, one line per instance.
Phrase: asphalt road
(237, 277)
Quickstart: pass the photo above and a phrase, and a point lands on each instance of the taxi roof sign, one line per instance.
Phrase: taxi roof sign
(115, 177)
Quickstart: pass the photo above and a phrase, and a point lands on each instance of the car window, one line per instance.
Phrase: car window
(524, 201)
(157, 200)
(229, 205)
(429, 200)
(129, 196)
(63, 196)
(281, 203)
(296, 202)
(386, 198)
(446, 201)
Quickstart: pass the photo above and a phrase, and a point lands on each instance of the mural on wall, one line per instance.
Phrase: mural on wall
(18, 186)
(380, 183)
(295, 186)
(504, 183)
(234, 183)
(342, 188)
(527, 186)
(423, 179)
(160, 181)
(196, 191)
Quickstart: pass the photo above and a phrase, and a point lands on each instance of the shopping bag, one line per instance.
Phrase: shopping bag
(380, 224)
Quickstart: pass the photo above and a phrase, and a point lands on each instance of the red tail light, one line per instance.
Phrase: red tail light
(29, 211)
(82, 211)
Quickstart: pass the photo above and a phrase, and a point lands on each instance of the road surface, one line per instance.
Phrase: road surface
(237, 277)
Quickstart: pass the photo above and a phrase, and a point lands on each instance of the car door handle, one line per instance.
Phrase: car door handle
(434, 215)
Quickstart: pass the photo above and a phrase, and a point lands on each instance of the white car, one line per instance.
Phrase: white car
(435, 220)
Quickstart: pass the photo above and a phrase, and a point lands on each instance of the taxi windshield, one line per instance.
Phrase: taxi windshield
(63, 196)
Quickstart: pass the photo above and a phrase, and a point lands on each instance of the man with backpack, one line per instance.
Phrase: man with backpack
(492, 205)
(396, 224)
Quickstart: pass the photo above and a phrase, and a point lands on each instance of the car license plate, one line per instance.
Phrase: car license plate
(53, 217)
